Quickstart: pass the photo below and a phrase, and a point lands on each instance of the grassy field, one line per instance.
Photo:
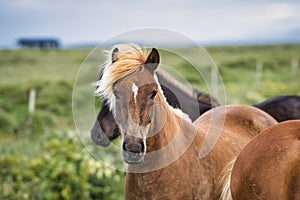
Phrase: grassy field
(30, 141)
(238, 69)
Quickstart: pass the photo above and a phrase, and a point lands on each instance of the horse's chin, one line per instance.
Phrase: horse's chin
(133, 158)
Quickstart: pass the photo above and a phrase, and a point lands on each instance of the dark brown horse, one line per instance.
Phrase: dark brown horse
(190, 100)
(269, 166)
(160, 144)
(282, 108)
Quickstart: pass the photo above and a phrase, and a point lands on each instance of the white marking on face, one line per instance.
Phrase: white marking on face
(134, 90)
(145, 130)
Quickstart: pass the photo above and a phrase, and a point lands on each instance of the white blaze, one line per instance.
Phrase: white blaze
(134, 90)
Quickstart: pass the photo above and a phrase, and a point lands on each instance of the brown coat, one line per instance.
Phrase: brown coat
(269, 166)
(192, 177)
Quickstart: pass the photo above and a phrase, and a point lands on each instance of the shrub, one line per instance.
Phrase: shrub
(63, 170)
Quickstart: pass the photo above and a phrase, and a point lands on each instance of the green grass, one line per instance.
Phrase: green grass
(27, 66)
(238, 68)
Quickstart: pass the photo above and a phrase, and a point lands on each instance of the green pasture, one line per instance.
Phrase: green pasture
(41, 156)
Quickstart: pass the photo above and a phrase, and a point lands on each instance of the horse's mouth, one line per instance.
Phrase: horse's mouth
(133, 158)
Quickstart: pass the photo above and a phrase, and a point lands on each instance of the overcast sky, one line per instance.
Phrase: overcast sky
(77, 21)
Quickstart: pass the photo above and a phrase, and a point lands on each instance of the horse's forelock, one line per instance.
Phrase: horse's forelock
(128, 58)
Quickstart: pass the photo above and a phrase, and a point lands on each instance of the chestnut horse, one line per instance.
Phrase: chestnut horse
(190, 100)
(269, 166)
(160, 144)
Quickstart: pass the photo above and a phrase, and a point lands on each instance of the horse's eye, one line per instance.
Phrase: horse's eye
(153, 94)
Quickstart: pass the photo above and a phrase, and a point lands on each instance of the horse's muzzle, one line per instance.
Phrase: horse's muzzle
(133, 149)
(99, 137)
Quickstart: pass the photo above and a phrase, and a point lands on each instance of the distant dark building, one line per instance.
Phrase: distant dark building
(42, 43)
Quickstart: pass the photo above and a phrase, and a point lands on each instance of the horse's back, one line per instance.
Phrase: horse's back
(269, 166)
(233, 118)
(282, 108)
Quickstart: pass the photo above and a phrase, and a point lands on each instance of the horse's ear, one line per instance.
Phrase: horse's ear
(114, 56)
(153, 60)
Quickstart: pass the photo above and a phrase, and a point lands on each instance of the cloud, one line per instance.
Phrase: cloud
(281, 11)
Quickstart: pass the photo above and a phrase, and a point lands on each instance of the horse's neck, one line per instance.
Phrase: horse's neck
(175, 136)
(170, 125)
(170, 151)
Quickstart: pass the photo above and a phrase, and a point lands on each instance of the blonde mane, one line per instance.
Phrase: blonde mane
(128, 58)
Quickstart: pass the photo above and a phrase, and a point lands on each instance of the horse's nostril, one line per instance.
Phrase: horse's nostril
(124, 146)
(136, 147)
(142, 147)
